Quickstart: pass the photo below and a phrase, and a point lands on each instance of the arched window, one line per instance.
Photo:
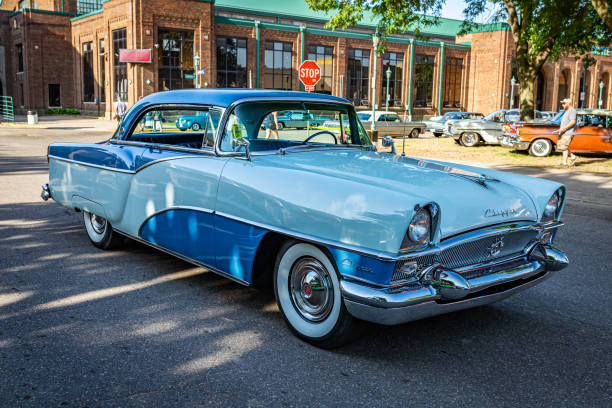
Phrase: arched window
(604, 92)
(564, 84)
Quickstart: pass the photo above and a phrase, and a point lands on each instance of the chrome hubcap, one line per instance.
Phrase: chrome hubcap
(540, 147)
(98, 223)
(311, 289)
(469, 138)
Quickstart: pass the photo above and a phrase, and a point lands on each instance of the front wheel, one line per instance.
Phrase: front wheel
(414, 134)
(540, 148)
(470, 139)
(195, 127)
(100, 231)
(307, 292)
(437, 134)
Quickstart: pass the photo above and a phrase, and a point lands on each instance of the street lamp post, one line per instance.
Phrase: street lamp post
(375, 40)
(196, 63)
(388, 73)
(512, 83)
(601, 85)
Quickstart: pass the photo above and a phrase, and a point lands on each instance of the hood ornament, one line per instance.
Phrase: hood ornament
(496, 247)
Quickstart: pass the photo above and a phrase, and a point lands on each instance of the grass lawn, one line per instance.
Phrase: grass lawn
(447, 149)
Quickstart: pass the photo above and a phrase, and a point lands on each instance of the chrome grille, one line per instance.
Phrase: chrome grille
(474, 252)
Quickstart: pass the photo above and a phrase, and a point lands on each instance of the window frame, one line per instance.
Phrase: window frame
(119, 67)
(324, 69)
(209, 150)
(396, 81)
(364, 83)
(423, 85)
(283, 71)
(87, 69)
(453, 81)
(183, 67)
(226, 72)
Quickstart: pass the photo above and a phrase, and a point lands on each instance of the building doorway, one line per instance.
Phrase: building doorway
(540, 91)
(175, 59)
(605, 78)
(54, 95)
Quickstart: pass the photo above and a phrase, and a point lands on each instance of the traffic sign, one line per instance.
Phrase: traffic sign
(189, 76)
(200, 72)
(309, 74)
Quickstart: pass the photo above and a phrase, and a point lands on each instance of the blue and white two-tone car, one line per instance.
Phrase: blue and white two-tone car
(343, 232)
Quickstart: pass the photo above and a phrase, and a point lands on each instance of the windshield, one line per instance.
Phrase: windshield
(364, 116)
(280, 125)
(557, 119)
(495, 116)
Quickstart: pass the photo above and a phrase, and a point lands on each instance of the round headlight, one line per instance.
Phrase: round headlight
(418, 230)
(552, 206)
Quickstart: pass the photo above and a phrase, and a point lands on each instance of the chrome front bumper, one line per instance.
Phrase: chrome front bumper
(442, 290)
(512, 142)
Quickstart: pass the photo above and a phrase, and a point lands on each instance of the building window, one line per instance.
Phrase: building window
(231, 62)
(88, 76)
(423, 77)
(175, 59)
(358, 74)
(324, 57)
(19, 57)
(393, 62)
(102, 78)
(119, 68)
(54, 95)
(87, 6)
(453, 69)
(278, 65)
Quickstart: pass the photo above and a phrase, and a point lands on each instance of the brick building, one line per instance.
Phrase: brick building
(66, 53)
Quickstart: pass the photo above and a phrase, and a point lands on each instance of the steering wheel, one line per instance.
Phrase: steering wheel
(320, 133)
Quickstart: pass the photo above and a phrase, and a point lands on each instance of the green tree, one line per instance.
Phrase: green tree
(604, 9)
(544, 30)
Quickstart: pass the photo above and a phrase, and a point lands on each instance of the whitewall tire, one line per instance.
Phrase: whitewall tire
(307, 291)
(470, 139)
(540, 148)
(100, 231)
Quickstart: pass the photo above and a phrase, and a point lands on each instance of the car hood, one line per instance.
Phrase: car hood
(465, 204)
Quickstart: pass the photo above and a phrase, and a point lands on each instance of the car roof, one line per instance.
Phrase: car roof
(224, 97)
(603, 112)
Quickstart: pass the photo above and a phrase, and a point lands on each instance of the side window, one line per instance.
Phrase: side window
(212, 124)
(581, 120)
(172, 127)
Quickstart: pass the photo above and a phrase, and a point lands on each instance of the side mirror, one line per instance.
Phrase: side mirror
(242, 142)
(387, 141)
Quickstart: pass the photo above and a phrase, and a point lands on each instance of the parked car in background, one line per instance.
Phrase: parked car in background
(192, 122)
(594, 134)
(436, 124)
(389, 123)
(546, 115)
(486, 130)
(340, 231)
(298, 120)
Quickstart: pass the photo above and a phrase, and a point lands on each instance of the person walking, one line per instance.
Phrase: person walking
(566, 132)
(120, 109)
(271, 124)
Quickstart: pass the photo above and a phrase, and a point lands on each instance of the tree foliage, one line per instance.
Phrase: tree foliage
(543, 30)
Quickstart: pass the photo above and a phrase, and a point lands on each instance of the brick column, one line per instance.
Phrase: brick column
(555, 92)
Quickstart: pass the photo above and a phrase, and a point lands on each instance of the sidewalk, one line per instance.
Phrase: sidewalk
(64, 122)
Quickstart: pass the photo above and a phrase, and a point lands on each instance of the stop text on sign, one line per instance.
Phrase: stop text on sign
(309, 74)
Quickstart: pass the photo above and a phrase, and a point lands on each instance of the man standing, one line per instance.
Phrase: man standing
(120, 109)
(566, 132)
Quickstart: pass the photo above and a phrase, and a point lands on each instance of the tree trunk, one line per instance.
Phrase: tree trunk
(604, 9)
(526, 81)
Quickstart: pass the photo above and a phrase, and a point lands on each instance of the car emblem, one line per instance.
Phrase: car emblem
(496, 247)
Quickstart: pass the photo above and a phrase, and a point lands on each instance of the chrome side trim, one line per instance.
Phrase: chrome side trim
(203, 151)
(186, 259)
(96, 166)
(144, 166)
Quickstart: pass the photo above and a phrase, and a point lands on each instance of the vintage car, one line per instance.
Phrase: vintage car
(389, 123)
(594, 134)
(486, 130)
(298, 120)
(436, 124)
(342, 232)
(193, 122)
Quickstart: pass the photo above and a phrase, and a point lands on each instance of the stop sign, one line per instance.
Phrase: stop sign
(310, 74)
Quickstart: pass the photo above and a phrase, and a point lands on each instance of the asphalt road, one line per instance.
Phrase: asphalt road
(81, 327)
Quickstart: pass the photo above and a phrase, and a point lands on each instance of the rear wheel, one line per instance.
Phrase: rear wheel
(307, 291)
(540, 147)
(100, 232)
(195, 127)
(414, 133)
(437, 134)
(470, 139)
(281, 125)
